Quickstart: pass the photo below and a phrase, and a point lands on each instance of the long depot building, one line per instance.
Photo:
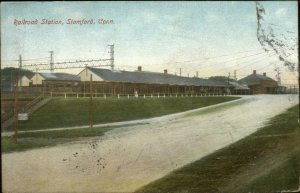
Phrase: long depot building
(143, 82)
(113, 83)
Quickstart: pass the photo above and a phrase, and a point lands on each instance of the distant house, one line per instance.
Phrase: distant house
(24, 81)
(9, 77)
(260, 84)
(54, 82)
(39, 78)
(7, 84)
(108, 81)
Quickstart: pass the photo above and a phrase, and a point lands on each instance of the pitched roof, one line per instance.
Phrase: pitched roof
(28, 77)
(153, 78)
(238, 86)
(60, 76)
(254, 79)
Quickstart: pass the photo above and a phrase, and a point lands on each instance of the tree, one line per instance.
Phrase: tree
(273, 37)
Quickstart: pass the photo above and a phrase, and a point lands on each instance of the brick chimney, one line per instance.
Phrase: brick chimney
(265, 74)
(140, 68)
(254, 72)
(165, 71)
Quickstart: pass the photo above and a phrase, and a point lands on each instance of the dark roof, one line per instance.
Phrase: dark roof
(153, 78)
(60, 76)
(254, 79)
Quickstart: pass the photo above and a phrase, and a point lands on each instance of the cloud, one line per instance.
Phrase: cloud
(281, 11)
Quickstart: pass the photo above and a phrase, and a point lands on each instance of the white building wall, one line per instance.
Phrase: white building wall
(37, 79)
(85, 75)
(24, 81)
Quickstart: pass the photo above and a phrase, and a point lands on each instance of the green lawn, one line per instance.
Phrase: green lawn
(266, 161)
(75, 112)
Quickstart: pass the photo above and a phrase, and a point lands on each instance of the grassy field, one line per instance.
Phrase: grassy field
(75, 112)
(30, 140)
(266, 161)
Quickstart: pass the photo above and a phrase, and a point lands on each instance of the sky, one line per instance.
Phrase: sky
(211, 38)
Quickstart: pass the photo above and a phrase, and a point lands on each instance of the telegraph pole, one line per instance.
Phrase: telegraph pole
(112, 57)
(234, 75)
(278, 75)
(51, 62)
(20, 68)
(228, 82)
(16, 102)
(91, 102)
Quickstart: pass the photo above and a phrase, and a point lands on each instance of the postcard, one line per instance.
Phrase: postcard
(150, 96)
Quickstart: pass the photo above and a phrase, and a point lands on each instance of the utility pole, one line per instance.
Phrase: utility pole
(20, 68)
(228, 83)
(278, 75)
(12, 81)
(51, 62)
(91, 102)
(234, 75)
(16, 102)
(36, 78)
(112, 57)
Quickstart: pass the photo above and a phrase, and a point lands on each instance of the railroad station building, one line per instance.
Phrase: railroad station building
(260, 84)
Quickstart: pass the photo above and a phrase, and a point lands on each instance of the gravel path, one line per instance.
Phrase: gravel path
(129, 157)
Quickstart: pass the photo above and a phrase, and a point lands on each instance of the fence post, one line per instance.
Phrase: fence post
(158, 95)
(128, 96)
(144, 96)
(65, 95)
(151, 95)
(118, 96)
(77, 95)
(104, 96)
(51, 94)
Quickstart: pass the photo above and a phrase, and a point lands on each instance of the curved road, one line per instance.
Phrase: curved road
(127, 158)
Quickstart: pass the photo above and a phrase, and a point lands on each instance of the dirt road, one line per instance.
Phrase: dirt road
(129, 157)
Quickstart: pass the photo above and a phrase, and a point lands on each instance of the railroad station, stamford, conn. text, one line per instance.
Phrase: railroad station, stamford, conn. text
(61, 22)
